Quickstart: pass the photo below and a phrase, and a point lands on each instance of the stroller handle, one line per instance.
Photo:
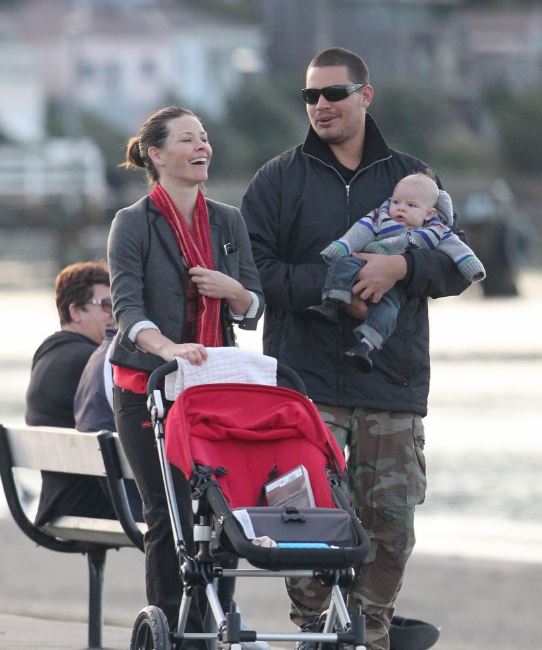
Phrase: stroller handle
(283, 372)
(292, 377)
(159, 373)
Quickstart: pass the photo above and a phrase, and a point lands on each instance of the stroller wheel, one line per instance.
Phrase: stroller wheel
(151, 630)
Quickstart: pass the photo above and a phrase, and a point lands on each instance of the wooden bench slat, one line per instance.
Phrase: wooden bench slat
(85, 529)
(53, 449)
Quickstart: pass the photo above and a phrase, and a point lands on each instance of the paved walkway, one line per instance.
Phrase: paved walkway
(43, 599)
(33, 633)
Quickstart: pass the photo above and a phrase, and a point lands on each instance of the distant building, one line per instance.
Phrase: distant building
(22, 92)
(501, 47)
(122, 60)
(445, 45)
(402, 40)
(210, 61)
(69, 173)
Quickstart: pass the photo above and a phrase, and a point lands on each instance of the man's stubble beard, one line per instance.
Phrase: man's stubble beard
(345, 133)
(331, 138)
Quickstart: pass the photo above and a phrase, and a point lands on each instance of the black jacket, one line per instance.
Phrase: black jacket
(56, 369)
(294, 206)
(92, 404)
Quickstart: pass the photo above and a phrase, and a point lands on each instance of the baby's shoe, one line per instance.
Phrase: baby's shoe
(328, 311)
(360, 356)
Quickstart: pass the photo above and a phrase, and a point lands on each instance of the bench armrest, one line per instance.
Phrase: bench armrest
(113, 469)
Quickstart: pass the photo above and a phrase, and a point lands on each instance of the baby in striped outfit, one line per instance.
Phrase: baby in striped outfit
(418, 215)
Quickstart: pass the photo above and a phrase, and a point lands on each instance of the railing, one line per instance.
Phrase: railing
(66, 169)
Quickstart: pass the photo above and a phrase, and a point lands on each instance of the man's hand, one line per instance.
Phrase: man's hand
(357, 308)
(379, 275)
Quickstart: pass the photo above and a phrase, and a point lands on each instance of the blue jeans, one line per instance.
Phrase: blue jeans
(381, 317)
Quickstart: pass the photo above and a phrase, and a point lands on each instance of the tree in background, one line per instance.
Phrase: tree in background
(261, 121)
(518, 118)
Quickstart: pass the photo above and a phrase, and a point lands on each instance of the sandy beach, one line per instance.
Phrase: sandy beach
(477, 568)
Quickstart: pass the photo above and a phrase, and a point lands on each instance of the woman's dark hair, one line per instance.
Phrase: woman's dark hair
(74, 284)
(335, 56)
(153, 133)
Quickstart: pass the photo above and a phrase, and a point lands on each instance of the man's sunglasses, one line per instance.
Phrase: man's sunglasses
(330, 93)
(104, 303)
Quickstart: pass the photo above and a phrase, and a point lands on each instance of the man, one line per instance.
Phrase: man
(295, 205)
(93, 410)
(83, 301)
(93, 400)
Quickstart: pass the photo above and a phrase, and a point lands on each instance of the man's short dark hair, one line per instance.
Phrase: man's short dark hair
(335, 56)
(74, 285)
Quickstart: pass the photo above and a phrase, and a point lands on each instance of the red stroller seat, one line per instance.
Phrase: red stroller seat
(251, 433)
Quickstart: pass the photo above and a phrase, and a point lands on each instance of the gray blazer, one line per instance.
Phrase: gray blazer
(148, 275)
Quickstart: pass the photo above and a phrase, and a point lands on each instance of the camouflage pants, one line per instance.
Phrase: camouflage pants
(386, 475)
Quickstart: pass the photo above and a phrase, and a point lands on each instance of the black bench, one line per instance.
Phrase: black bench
(91, 454)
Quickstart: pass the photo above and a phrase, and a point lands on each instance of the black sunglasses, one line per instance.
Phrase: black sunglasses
(330, 93)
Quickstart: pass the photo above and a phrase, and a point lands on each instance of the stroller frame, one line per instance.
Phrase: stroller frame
(340, 627)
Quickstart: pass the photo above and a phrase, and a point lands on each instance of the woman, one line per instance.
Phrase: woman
(181, 273)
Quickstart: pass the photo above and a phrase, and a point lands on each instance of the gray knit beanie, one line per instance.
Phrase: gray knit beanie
(445, 208)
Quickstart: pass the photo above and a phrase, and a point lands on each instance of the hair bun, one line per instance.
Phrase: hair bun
(134, 153)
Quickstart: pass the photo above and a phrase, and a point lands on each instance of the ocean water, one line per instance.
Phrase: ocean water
(483, 430)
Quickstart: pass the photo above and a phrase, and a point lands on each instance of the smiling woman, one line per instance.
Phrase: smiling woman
(182, 274)
(183, 159)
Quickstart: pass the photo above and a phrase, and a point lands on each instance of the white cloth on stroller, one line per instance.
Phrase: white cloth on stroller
(223, 365)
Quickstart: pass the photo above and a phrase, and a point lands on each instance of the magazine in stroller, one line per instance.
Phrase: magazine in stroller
(245, 446)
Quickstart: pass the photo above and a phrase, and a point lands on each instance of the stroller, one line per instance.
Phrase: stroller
(229, 440)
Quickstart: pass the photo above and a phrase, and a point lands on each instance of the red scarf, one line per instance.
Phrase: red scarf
(195, 246)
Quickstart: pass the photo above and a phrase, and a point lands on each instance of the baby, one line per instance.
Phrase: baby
(418, 215)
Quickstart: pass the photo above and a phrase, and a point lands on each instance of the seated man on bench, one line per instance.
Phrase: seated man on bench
(93, 408)
(83, 301)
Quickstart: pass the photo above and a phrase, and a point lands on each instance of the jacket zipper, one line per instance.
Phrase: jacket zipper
(340, 375)
(346, 185)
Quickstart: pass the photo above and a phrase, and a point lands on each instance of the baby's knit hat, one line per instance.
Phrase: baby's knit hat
(445, 208)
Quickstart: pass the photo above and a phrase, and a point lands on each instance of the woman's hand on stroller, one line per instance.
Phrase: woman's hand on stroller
(152, 340)
(194, 353)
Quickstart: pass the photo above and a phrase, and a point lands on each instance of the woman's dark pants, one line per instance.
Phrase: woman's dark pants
(161, 564)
